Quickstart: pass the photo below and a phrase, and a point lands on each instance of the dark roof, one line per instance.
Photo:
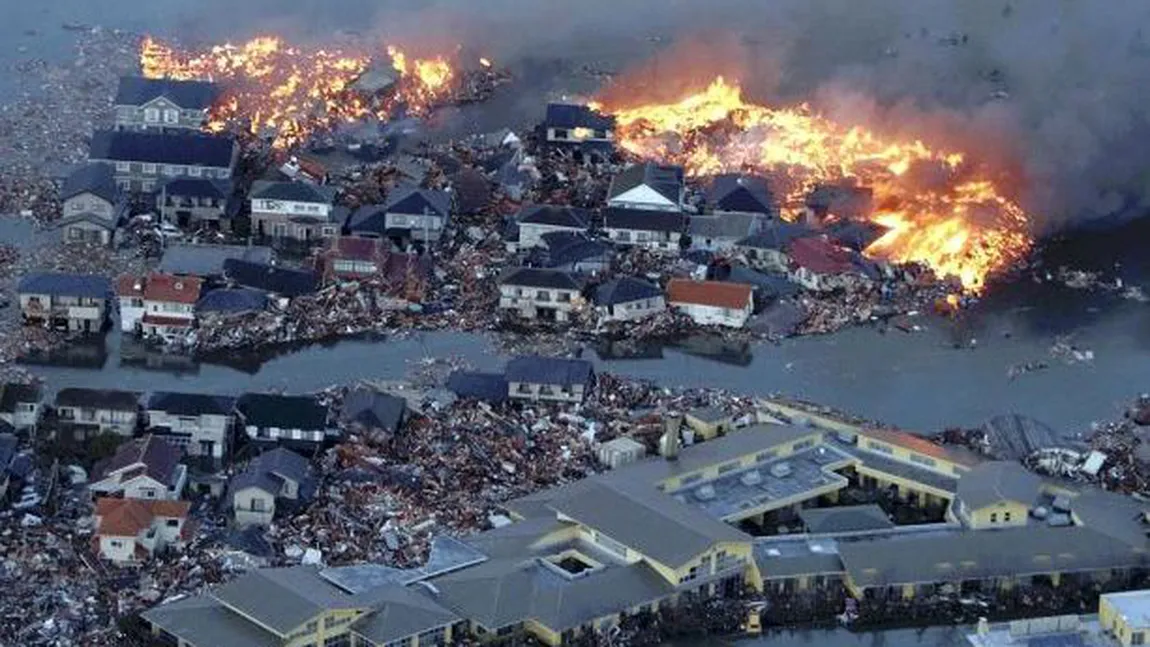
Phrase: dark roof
(191, 404)
(159, 457)
(198, 187)
(96, 178)
(539, 278)
(189, 95)
(549, 370)
(266, 471)
(293, 191)
(625, 290)
(472, 190)
(728, 226)
(67, 285)
(667, 181)
(638, 219)
(162, 148)
(399, 612)
(277, 280)
(564, 250)
(7, 450)
(569, 115)
(491, 387)
(556, 216)
(841, 519)
(374, 409)
(369, 218)
(776, 235)
(746, 193)
(15, 393)
(208, 260)
(98, 398)
(232, 300)
(99, 221)
(856, 234)
(841, 200)
(283, 411)
(768, 285)
(419, 202)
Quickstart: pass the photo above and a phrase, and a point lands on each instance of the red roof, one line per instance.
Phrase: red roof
(161, 320)
(356, 249)
(820, 256)
(719, 294)
(127, 517)
(922, 445)
(130, 286)
(173, 289)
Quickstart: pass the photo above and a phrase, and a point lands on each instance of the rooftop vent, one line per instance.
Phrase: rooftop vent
(751, 477)
(781, 470)
(1040, 512)
(1061, 503)
(705, 493)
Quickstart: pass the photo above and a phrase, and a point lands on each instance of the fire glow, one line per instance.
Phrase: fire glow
(288, 93)
(960, 225)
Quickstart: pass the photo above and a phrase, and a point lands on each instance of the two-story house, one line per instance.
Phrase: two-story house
(293, 210)
(197, 202)
(131, 530)
(276, 480)
(159, 306)
(627, 299)
(142, 468)
(735, 193)
(767, 249)
(143, 161)
(648, 187)
(20, 405)
(533, 293)
(578, 125)
(163, 104)
(93, 208)
(199, 423)
(94, 411)
(659, 231)
(69, 302)
(417, 214)
(537, 220)
(549, 379)
(292, 420)
(712, 302)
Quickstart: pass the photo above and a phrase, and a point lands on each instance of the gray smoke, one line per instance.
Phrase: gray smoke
(1054, 91)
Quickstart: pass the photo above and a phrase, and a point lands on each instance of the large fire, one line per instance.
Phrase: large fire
(939, 209)
(288, 93)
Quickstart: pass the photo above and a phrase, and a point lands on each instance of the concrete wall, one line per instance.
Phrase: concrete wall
(771, 260)
(527, 301)
(655, 241)
(426, 228)
(216, 429)
(82, 232)
(1004, 514)
(119, 422)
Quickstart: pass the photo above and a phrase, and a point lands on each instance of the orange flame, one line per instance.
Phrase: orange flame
(962, 227)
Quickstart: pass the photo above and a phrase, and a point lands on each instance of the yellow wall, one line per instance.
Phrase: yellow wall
(981, 518)
(321, 633)
(545, 634)
(1110, 619)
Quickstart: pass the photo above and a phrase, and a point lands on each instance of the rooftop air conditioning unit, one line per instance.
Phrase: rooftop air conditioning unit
(751, 477)
(781, 470)
(705, 493)
(1040, 512)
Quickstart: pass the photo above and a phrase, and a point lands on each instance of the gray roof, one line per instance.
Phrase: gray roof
(208, 260)
(95, 178)
(667, 181)
(285, 598)
(417, 201)
(841, 519)
(374, 409)
(98, 398)
(268, 470)
(776, 235)
(232, 300)
(202, 620)
(159, 457)
(1015, 437)
(491, 387)
(293, 191)
(189, 95)
(556, 216)
(534, 277)
(283, 411)
(727, 225)
(643, 220)
(549, 370)
(625, 290)
(67, 285)
(785, 557)
(401, 611)
(994, 481)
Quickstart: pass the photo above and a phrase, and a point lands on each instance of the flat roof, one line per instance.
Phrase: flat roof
(1133, 605)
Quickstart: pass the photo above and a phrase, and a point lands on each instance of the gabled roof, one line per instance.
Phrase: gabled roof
(569, 115)
(539, 278)
(191, 404)
(841, 519)
(745, 193)
(208, 260)
(369, 218)
(293, 192)
(98, 399)
(995, 481)
(820, 255)
(283, 599)
(490, 387)
(924, 446)
(163, 148)
(96, 178)
(159, 457)
(14, 393)
(232, 300)
(625, 290)
(66, 285)
(172, 289)
(718, 294)
(727, 225)
(776, 235)
(556, 216)
(271, 278)
(549, 370)
(641, 220)
(855, 234)
(565, 248)
(202, 620)
(198, 187)
(189, 95)
(127, 517)
(283, 411)
(400, 612)
(374, 409)
(472, 190)
(665, 180)
(268, 470)
(419, 202)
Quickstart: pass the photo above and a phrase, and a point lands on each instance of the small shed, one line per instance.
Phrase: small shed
(709, 422)
(621, 451)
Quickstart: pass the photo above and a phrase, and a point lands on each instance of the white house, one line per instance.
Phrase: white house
(537, 220)
(297, 420)
(200, 424)
(95, 411)
(145, 160)
(533, 293)
(712, 302)
(279, 476)
(578, 125)
(163, 104)
(160, 305)
(417, 214)
(293, 210)
(659, 231)
(20, 405)
(146, 468)
(627, 299)
(549, 379)
(648, 187)
(92, 206)
(129, 530)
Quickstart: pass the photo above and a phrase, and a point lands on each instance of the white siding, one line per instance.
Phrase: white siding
(712, 315)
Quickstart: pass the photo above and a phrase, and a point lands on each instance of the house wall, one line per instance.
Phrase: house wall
(193, 210)
(1110, 619)
(632, 310)
(131, 312)
(278, 225)
(578, 135)
(158, 114)
(119, 422)
(905, 455)
(711, 315)
(708, 430)
(645, 198)
(527, 301)
(78, 314)
(660, 241)
(118, 549)
(242, 507)
(89, 203)
(1004, 514)
(196, 429)
(325, 627)
(546, 392)
(147, 488)
(26, 416)
(531, 234)
(275, 434)
(148, 177)
(819, 282)
(426, 228)
(81, 232)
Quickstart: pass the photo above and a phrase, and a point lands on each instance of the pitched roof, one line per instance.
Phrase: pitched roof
(271, 278)
(374, 409)
(283, 411)
(820, 255)
(840, 519)
(369, 218)
(191, 404)
(266, 471)
(625, 290)
(727, 225)
(162, 148)
(775, 234)
(69, 285)
(665, 180)
(641, 220)
(172, 289)
(419, 202)
(923, 446)
(14, 393)
(564, 248)
(491, 387)
(995, 481)
(189, 95)
(746, 193)
(539, 278)
(549, 370)
(472, 190)
(400, 612)
(292, 191)
(98, 398)
(282, 599)
(570, 115)
(198, 187)
(556, 216)
(127, 517)
(709, 293)
(855, 234)
(159, 457)
(202, 620)
(95, 178)
(232, 300)
(208, 260)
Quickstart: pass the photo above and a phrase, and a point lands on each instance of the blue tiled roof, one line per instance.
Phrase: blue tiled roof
(162, 148)
(67, 285)
(625, 290)
(189, 95)
(549, 370)
(490, 387)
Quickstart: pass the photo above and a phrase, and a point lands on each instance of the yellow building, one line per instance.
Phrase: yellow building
(1126, 617)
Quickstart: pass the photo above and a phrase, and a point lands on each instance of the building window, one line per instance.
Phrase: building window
(116, 543)
(542, 295)
(123, 167)
(194, 171)
(879, 447)
(150, 169)
(436, 637)
(1137, 638)
(151, 115)
(172, 523)
(171, 116)
(798, 447)
(560, 133)
(1006, 517)
(922, 460)
(993, 517)
(257, 504)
